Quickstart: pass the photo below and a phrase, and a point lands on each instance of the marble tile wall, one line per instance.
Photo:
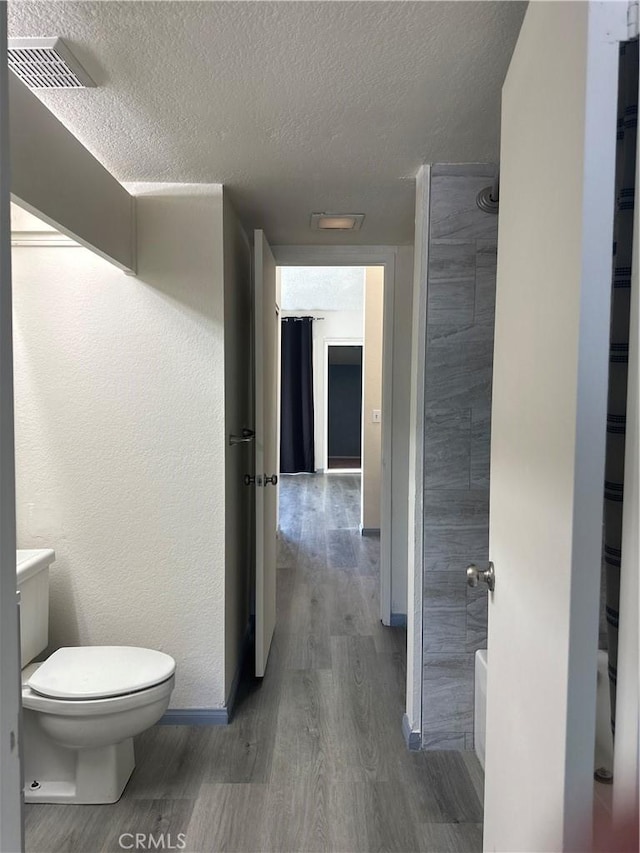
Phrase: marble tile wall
(458, 369)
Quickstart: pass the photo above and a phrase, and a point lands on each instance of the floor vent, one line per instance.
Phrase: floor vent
(46, 63)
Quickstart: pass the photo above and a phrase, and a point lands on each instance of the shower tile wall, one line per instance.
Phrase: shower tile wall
(458, 367)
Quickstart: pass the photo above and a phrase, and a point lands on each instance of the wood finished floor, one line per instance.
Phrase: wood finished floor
(314, 759)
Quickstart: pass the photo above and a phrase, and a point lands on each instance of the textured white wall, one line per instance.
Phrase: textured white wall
(120, 437)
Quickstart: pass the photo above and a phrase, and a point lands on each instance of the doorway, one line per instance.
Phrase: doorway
(331, 378)
(343, 410)
(395, 267)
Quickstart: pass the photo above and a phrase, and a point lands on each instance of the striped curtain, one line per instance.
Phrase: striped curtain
(619, 351)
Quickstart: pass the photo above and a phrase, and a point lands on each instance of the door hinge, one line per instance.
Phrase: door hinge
(633, 26)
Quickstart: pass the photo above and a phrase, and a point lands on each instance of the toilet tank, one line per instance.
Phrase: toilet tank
(32, 569)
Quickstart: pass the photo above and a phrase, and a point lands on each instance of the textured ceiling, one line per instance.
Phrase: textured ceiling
(296, 106)
(322, 288)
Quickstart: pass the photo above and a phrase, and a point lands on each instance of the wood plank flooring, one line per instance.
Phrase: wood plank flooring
(314, 759)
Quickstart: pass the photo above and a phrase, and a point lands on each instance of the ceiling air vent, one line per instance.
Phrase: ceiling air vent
(46, 63)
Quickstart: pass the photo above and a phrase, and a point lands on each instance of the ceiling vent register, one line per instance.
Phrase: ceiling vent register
(46, 63)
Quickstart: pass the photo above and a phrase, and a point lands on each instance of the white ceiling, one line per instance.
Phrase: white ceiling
(322, 288)
(296, 106)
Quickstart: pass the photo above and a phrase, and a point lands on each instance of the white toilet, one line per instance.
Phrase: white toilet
(83, 706)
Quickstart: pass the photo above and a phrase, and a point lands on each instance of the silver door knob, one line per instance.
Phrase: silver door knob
(476, 575)
(273, 479)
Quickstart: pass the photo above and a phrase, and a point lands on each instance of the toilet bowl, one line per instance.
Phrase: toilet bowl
(82, 707)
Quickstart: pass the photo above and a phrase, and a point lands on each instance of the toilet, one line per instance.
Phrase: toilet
(82, 706)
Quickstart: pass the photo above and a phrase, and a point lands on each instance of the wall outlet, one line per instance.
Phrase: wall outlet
(376, 416)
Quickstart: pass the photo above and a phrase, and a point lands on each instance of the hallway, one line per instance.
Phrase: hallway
(314, 759)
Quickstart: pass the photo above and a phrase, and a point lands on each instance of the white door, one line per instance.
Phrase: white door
(266, 336)
(549, 419)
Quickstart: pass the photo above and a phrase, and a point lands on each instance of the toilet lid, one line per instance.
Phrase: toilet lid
(98, 672)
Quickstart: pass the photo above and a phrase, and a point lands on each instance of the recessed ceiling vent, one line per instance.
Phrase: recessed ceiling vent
(46, 63)
(336, 221)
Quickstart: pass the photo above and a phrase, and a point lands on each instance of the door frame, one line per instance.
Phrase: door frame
(367, 256)
(337, 342)
(412, 720)
(11, 813)
(266, 345)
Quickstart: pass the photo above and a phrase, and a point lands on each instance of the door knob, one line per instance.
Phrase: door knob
(273, 479)
(475, 575)
(249, 480)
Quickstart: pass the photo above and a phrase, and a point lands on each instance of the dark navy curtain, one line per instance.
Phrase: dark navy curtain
(619, 350)
(296, 415)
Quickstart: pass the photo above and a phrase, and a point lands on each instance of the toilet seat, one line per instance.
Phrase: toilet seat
(89, 673)
(95, 707)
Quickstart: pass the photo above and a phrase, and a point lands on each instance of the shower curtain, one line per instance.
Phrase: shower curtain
(619, 349)
(296, 414)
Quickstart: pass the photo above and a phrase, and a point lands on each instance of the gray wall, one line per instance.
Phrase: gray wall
(458, 367)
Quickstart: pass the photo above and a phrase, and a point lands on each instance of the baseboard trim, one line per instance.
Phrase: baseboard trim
(370, 531)
(398, 620)
(195, 717)
(413, 739)
(213, 716)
